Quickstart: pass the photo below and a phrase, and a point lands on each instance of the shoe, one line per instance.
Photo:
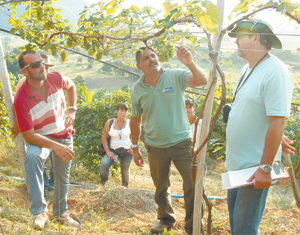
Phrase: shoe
(158, 228)
(51, 188)
(39, 220)
(67, 220)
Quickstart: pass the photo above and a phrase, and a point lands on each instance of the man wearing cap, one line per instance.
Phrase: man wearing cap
(48, 183)
(256, 121)
(190, 111)
(46, 127)
(158, 97)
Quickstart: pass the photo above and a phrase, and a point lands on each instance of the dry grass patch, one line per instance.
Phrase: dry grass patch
(114, 209)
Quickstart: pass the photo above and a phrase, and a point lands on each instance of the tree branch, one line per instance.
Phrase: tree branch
(15, 1)
(258, 10)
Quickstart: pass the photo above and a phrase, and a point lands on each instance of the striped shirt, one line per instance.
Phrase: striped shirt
(45, 115)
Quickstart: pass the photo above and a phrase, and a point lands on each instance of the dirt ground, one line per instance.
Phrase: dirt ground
(117, 210)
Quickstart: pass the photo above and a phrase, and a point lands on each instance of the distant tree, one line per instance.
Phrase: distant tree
(79, 61)
(11, 63)
(125, 87)
(90, 63)
(106, 68)
(79, 79)
(12, 66)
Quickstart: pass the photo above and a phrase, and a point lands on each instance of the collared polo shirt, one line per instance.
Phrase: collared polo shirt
(163, 108)
(45, 115)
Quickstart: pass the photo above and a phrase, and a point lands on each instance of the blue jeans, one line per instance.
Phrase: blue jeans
(49, 182)
(34, 168)
(106, 163)
(246, 206)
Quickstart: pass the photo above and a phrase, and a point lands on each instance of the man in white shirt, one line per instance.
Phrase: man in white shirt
(190, 111)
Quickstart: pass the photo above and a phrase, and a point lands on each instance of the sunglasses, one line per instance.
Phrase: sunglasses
(35, 65)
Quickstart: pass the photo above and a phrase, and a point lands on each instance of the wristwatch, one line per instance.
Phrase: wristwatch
(134, 146)
(266, 168)
(73, 107)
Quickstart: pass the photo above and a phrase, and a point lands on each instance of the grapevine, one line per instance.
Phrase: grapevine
(63, 56)
(167, 53)
(54, 50)
(39, 13)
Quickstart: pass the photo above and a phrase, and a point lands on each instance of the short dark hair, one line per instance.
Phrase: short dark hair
(264, 40)
(140, 51)
(21, 57)
(122, 106)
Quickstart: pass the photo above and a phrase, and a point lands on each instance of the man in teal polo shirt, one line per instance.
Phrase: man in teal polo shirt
(158, 97)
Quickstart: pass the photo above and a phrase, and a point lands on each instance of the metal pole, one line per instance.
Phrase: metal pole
(204, 131)
(10, 108)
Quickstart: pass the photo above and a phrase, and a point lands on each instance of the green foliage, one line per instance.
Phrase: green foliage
(106, 68)
(79, 61)
(281, 6)
(90, 120)
(82, 93)
(126, 88)
(292, 130)
(103, 30)
(79, 79)
(4, 120)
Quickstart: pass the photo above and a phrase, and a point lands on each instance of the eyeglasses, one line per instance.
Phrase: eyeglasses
(35, 65)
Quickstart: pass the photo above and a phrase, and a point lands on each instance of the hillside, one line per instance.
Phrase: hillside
(70, 11)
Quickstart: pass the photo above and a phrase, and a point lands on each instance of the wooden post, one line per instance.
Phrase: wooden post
(204, 131)
(293, 179)
(10, 108)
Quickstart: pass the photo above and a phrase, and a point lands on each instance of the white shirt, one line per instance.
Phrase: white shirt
(116, 141)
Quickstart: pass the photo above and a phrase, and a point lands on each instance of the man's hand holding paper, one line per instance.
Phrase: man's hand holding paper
(262, 179)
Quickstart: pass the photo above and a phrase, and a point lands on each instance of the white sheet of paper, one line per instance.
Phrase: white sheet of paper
(236, 179)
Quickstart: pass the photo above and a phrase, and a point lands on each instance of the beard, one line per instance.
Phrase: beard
(40, 77)
(240, 53)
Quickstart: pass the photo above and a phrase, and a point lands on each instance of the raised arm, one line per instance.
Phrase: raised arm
(135, 128)
(198, 77)
(71, 100)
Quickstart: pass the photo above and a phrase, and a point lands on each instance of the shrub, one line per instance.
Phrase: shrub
(89, 123)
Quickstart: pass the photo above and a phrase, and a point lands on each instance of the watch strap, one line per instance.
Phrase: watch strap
(73, 107)
(266, 168)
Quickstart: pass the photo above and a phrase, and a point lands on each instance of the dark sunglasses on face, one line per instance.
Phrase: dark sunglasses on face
(35, 65)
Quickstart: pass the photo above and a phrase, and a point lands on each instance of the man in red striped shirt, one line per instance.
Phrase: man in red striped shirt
(46, 127)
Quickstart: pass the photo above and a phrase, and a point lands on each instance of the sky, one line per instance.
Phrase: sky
(278, 22)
